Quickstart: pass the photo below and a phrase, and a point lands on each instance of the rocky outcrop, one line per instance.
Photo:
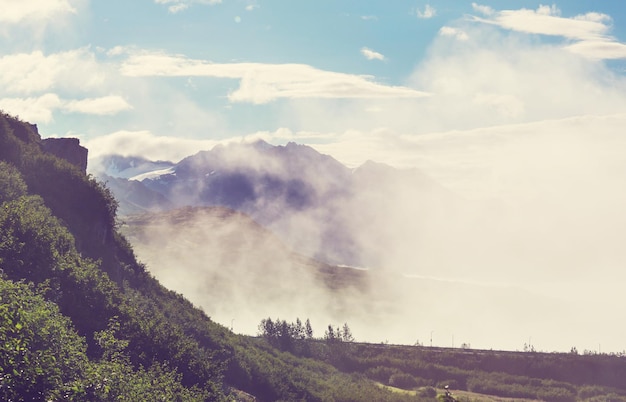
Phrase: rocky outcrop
(68, 149)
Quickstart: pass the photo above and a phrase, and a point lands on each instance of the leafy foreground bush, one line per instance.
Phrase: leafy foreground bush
(42, 358)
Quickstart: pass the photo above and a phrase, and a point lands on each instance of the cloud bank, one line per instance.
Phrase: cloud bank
(589, 32)
(263, 83)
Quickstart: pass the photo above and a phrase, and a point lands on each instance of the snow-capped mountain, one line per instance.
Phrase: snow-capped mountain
(128, 167)
(314, 203)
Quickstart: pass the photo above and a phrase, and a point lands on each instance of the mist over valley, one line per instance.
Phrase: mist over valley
(250, 231)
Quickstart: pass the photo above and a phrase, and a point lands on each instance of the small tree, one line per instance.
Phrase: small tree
(299, 330)
(329, 335)
(267, 329)
(346, 334)
(308, 329)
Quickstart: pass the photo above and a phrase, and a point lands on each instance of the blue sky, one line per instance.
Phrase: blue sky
(92, 69)
(520, 102)
(354, 79)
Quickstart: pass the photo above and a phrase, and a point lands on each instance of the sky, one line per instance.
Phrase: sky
(398, 82)
(516, 103)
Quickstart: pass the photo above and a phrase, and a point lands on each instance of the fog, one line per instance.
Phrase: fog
(511, 232)
(537, 263)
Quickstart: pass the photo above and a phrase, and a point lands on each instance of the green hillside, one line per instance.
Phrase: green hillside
(81, 319)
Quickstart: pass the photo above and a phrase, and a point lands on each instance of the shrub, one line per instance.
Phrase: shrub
(402, 380)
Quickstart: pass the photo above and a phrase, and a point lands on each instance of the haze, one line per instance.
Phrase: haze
(516, 108)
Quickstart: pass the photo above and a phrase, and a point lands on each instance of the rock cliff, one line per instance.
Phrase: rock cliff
(68, 149)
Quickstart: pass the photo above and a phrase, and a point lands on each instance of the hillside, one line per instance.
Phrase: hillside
(83, 320)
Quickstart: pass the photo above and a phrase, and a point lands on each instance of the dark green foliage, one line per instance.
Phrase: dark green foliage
(37, 247)
(427, 392)
(402, 380)
(39, 351)
(32, 244)
(42, 358)
(12, 185)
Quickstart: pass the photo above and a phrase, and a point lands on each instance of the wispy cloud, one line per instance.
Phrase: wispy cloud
(369, 17)
(486, 10)
(146, 144)
(453, 32)
(371, 54)
(590, 31)
(175, 6)
(262, 83)
(428, 12)
(14, 12)
(41, 108)
(104, 106)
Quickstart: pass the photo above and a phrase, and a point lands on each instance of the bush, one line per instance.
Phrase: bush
(427, 392)
(12, 184)
(402, 380)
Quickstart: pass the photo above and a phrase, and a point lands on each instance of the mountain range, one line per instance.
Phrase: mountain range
(308, 199)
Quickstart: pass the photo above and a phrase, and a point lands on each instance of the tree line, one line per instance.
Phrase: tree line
(295, 336)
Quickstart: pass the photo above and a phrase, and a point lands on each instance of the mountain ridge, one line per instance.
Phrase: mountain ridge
(284, 187)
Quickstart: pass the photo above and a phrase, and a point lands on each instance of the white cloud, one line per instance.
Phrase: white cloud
(369, 18)
(107, 105)
(490, 80)
(547, 21)
(263, 83)
(252, 7)
(453, 32)
(14, 12)
(486, 10)
(589, 31)
(507, 105)
(428, 12)
(145, 143)
(175, 6)
(41, 109)
(600, 49)
(28, 73)
(371, 54)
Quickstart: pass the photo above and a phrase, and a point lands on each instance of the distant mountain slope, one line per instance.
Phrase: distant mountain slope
(134, 197)
(127, 167)
(237, 268)
(315, 204)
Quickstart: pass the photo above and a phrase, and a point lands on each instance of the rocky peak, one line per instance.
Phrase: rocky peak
(68, 149)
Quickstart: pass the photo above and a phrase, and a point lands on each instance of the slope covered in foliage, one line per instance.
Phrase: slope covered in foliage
(81, 319)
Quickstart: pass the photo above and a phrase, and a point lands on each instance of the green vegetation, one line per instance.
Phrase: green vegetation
(82, 320)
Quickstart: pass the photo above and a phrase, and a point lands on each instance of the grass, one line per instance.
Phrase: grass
(461, 396)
